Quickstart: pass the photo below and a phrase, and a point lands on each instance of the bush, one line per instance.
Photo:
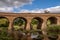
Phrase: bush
(53, 30)
(4, 35)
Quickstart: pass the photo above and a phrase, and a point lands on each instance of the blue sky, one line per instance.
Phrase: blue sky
(42, 4)
(30, 5)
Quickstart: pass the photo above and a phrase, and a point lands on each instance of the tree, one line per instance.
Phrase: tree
(46, 11)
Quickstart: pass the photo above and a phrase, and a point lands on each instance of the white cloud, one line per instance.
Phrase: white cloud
(32, 11)
(51, 10)
(54, 9)
(24, 11)
(38, 11)
(6, 9)
(16, 3)
(8, 5)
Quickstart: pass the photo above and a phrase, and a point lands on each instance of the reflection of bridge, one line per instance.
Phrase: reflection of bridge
(29, 16)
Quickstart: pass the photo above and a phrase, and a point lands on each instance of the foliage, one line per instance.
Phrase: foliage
(16, 27)
(3, 22)
(34, 22)
(19, 22)
(53, 30)
(40, 36)
(48, 22)
(34, 30)
(4, 34)
(3, 29)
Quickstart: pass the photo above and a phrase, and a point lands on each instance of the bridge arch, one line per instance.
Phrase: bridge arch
(36, 24)
(51, 20)
(39, 22)
(4, 22)
(20, 21)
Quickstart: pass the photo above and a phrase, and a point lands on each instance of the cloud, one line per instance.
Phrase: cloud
(55, 9)
(8, 6)
(32, 11)
(37, 10)
(10, 3)
(6, 9)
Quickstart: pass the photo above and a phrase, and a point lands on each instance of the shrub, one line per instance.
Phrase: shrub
(53, 30)
(4, 35)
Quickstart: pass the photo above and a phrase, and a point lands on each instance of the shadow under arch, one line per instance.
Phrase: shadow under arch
(51, 20)
(20, 19)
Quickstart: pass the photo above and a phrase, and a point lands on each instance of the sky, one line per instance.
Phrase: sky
(30, 6)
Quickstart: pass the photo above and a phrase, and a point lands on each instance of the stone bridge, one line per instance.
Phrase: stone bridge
(29, 16)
